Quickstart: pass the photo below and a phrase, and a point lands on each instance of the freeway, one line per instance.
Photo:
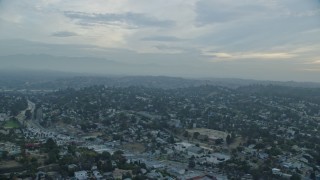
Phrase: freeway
(29, 123)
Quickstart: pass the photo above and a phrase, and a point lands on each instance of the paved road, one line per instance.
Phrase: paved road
(29, 123)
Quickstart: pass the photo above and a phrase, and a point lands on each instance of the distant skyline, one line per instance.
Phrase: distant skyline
(251, 39)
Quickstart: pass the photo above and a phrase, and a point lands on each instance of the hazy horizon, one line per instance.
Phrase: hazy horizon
(262, 40)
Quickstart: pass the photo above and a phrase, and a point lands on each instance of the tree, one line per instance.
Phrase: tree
(52, 157)
(233, 136)
(192, 163)
(105, 155)
(313, 176)
(228, 139)
(133, 119)
(126, 175)
(50, 144)
(295, 177)
(171, 139)
(53, 151)
(196, 134)
(118, 157)
(186, 134)
(240, 148)
(5, 154)
(140, 177)
(107, 166)
(67, 160)
(72, 149)
(219, 141)
(28, 114)
(260, 146)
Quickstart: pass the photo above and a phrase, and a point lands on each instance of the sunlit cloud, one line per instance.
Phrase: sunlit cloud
(316, 62)
(64, 34)
(311, 70)
(248, 55)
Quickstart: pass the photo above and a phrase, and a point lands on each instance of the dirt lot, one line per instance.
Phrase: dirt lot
(214, 134)
(135, 147)
(9, 164)
(237, 142)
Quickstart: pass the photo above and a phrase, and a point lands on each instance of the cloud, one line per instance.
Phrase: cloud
(125, 19)
(312, 70)
(277, 56)
(165, 49)
(64, 34)
(212, 12)
(220, 56)
(271, 37)
(316, 62)
(222, 11)
(161, 38)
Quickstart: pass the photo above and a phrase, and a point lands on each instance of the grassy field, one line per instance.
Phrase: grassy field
(11, 124)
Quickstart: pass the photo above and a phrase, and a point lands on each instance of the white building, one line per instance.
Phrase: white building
(97, 175)
(276, 171)
(3, 116)
(81, 175)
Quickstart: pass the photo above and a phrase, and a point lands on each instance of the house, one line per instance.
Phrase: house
(276, 171)
(108, 175)
(175, 123)
(194, 150)
(54, 175)
(217, 158)
(154, 175)
(286, 176)
(3, 117)
(4, 131)
(118, 173)
(97, 175)
(262, 155)
(143, 171)
(176, 171)
(14, 151)
(181, 147)
(158, 166)
(40, 175)
(32, 145)
(81, 175)
(72, 167)
(197, 176)
(247, 177)
(205, 177)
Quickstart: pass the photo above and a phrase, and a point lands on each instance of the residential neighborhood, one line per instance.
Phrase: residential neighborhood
(205, 132)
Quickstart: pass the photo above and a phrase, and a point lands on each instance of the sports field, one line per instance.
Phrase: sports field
(11, 124)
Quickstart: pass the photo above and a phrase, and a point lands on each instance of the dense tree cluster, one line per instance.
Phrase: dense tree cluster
(12, 103)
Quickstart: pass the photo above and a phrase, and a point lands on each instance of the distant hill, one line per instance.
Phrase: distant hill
(51, 80)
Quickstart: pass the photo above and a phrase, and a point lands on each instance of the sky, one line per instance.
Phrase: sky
(250, 39)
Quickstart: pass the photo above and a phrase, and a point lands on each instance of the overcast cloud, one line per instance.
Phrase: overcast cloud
(257, 39)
